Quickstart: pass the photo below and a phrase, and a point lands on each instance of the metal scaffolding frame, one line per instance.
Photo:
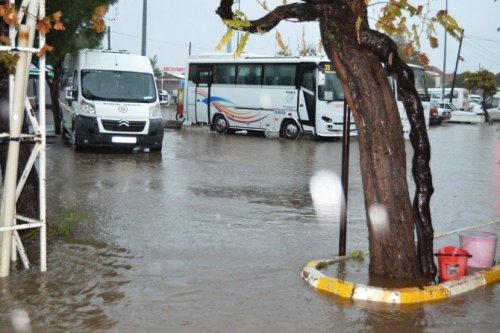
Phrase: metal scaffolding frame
(19, 105)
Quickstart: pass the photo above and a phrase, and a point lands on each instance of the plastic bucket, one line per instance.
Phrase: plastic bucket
(452, 262)
(481, 245)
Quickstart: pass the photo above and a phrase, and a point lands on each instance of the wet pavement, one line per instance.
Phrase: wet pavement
(211, 236)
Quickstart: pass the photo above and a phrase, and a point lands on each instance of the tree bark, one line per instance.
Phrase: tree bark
(357, 54)
(54, 95)
(382, 151)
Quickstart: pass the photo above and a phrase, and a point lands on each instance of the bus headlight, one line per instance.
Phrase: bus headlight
(87, 107)
(155, 111)
(326, 119)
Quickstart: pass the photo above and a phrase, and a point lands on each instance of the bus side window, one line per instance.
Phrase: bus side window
(224, 74)
(250, 74)
(192, 73)
(279, 74)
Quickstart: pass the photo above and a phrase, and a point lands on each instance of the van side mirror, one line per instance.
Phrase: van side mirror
(69, 93)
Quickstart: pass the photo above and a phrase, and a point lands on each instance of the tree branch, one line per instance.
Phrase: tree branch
(301, 12)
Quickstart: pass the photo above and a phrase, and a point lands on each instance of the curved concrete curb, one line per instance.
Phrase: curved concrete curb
(311, 273)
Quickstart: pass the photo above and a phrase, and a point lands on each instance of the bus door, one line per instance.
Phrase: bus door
(203, 85)
(307, 94)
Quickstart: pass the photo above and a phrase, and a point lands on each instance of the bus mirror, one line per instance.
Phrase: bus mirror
(68, 93)
(321, 78)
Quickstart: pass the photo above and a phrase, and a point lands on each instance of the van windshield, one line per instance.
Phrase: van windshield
(100, 85)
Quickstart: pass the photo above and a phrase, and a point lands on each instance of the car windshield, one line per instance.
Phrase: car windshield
(120, 86)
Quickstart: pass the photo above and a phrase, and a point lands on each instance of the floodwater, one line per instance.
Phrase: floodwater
(212, 234)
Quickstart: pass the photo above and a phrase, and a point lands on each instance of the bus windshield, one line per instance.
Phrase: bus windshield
(421, 83)
(118, 86)
(331, 89)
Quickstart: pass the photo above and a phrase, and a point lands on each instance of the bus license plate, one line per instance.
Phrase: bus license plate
(124, 139)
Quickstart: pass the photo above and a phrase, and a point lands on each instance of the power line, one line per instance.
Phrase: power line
(163, 41)
(484, 39)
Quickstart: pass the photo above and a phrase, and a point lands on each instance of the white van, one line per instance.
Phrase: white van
(109, 98)
(460, 97)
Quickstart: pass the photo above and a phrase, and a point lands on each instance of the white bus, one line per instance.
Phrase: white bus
(282, 95)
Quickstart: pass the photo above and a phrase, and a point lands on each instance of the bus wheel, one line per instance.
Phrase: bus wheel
(221, 124)
(290, 130)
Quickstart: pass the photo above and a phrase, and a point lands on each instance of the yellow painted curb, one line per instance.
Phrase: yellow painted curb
(311, 274)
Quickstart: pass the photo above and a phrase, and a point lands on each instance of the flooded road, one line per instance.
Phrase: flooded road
(211, 236)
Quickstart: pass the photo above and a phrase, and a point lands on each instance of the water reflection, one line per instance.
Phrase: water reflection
(71, 294)
(211, 235)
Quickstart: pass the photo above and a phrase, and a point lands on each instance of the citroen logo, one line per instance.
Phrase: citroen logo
(123, 122)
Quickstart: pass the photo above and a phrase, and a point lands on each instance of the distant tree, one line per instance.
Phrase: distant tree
(484, 81)
(156, 70)
(304, 48)
(497, 79)
(308, 49)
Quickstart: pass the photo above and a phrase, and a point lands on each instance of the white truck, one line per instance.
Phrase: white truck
(109, 99)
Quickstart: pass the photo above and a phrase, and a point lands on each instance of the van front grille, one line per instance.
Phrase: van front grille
(123, 125)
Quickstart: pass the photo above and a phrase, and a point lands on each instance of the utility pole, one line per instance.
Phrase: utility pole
(144, 25)
(444, 59)
(456, 66)
(109, 38)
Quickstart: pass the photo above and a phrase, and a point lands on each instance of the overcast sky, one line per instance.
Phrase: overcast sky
(172, 25)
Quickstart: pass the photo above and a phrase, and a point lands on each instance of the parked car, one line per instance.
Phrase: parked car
(458, 116)
(438, 115)
(493, 107)
(477, 99)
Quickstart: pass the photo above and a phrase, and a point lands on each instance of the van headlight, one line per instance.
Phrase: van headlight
(87, 107)
(155, 111)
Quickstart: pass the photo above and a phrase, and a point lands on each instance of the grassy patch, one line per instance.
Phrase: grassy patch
(63, 225)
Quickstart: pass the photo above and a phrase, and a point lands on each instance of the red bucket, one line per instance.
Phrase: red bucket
(452, 262)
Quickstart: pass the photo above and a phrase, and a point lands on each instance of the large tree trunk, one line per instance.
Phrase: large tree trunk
(382, 154)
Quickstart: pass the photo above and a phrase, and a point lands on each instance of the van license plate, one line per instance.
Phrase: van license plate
(124, 139)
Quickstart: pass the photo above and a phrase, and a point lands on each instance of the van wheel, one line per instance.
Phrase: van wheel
(74, 143)
(290, 130)
(221, 124)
